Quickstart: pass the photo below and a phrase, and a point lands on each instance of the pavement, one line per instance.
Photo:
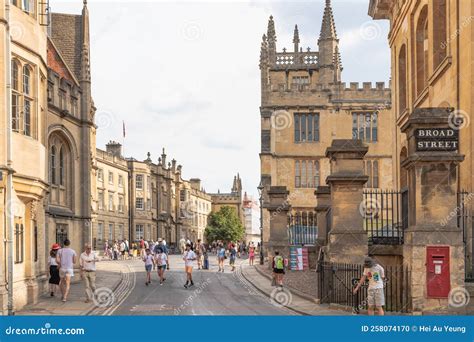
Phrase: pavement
(214, 293)
(111, 277)
(290, 297)
(121, 290)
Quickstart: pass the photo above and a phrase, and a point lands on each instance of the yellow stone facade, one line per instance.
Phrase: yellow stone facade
(305, 106)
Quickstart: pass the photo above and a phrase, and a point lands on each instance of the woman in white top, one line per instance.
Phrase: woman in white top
(53, 269)
(161, 262)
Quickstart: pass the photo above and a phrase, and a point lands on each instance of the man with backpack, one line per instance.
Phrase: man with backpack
(278, 266)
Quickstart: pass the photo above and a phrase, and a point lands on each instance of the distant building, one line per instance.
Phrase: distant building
(251, 220)
(111, 200)
(195, 207)
(233, 199)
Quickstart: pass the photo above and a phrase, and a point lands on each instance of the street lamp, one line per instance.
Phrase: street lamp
(260, 193)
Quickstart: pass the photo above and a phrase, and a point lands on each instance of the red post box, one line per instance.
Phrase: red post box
(438, 280)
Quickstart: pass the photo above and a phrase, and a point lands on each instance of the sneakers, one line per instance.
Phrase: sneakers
(192, 284)
(186, 285)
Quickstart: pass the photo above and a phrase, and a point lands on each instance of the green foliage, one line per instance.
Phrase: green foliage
(224, 225)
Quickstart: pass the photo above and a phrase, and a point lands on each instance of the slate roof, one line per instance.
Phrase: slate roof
(66, 33)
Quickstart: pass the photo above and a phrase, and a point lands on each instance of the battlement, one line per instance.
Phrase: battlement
(367, 87)
(295, 60)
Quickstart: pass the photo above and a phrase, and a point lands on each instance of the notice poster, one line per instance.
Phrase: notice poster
(299, 258)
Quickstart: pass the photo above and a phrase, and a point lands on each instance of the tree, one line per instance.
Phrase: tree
(224, 225)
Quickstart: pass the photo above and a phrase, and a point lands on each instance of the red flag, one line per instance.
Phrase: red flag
(123, 128)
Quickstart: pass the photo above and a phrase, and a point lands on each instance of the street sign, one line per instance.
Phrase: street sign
(436, 139)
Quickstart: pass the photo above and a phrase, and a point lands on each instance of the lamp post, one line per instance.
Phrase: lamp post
(260, 193)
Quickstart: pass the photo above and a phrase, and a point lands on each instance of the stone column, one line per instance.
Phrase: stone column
(347, 238)
(432, 195)
(278, 207)
(323, 197)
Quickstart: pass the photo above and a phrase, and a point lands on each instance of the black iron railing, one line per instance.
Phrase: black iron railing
(302, 228)
(336, 282)
(384, 216)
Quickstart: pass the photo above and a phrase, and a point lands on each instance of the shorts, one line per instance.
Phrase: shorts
(189, 269)
(232, 261)
(148, 268)
(63, 272)
(279, 270)
(162, 267)
(375, 297)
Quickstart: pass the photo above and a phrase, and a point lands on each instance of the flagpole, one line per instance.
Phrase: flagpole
(123, 138)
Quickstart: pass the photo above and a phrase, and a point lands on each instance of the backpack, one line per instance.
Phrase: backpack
(279, 263)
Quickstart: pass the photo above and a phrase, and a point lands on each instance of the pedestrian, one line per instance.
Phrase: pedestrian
(221, 257)
(278, 266)
(375, 293)
(182, 245)
(66, 258)
(122, 250)
(161, 263)
(161, 244)
(149, 264)
(127, 249)
(232, 254)
(199, 253)
(142, 248)
(87, 262)
(189, 256)
(251, 254)
(54, 278)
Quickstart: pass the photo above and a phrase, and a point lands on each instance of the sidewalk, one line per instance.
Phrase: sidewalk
(109, 275)
(296, 300)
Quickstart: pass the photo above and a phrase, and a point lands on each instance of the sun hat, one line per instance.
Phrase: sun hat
(55, 246)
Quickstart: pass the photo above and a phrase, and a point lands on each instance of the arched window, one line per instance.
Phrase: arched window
(439, 32)
(61, 166)
(15, 96)
(26, 80)
(421, 70)
(402, 80)
(27, 100)
(60, 171)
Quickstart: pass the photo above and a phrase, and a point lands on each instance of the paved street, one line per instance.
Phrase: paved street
(213, 294)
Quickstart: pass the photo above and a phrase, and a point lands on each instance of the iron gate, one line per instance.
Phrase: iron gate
(336, 282)
(385, 216)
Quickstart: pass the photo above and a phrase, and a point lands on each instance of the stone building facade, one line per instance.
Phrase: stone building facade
(195, 207)
(52, 134)
(305, 106)
(111, 200)
(232, 199)
(432, 74)
(70, 129)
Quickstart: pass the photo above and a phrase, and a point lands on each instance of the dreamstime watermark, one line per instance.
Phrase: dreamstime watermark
(281, 297)
(456, 211)
(192, 296)
(187, 209)
(369, 208)
(46, 330)
(284, 205)
(458, 119)
(104, 297)
(17, 30)
(458, 297)
(370, 30)
(281, 119)
(104, 119)
(464, 23)
(192, 31)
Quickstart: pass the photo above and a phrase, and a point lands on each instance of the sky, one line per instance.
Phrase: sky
(184, 75)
